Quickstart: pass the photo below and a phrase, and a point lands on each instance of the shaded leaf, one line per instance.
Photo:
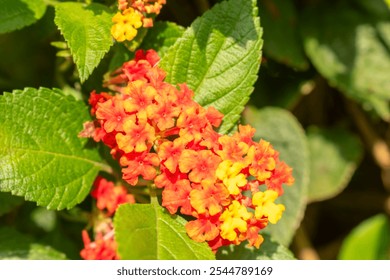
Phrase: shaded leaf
(219, 57)
(148, 232)
(8, 202)
(16, 246)
(350, 48)
(334, 156)
(370, 240)
(86, 29)
(279, 20)
(16, 14)
(162, 36)
(41, 156)
(284, 132)
(269, 250)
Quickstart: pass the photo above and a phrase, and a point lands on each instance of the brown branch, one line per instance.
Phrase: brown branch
(375, 144)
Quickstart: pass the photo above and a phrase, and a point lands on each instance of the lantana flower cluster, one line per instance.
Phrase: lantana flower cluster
(227, 185)
(108, 198)
(132, 15)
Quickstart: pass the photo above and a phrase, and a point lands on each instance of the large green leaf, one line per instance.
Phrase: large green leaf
(148, 232)
(41, 156)
(86, 29)
(9, 202)
(279, 20)
(219, 57)
(269, 250)
(279, 127)
(350, 47)
(334, 156)
(16, 14)
(370, 240)
(16, 246)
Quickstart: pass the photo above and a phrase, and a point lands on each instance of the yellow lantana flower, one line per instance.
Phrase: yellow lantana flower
(126, 25)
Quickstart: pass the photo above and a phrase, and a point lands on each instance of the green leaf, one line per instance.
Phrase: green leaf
(16, 246)
(16, 14)
(269, 250)
(334, 156)
(284, 132)
(148, 232)
(86, 29)
(370, 240)
(41, 156)
(162, 36)
(279, 20)
(219, 57)
(8, 202)
(350, 48)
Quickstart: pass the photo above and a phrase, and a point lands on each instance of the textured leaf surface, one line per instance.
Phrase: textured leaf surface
(148, 232)
(16, 14)
(8, 202)
(269, 250)
(41, 156)
(86, 29)
(350, 47)
(334, 156)
(285, 133)
(16, 246)
(370, 240)
(162, 36)
(219, 57)
(279, 20)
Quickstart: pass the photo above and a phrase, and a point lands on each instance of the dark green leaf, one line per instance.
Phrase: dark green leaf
(334, 156)
(269, 250)
(162, 36)
(370, 240)
(16, 14)
(350, 47)
(8, 202)
(284, 132)
(86, 29)
(16, 246)
(281, 38)
(219, 57)
(41, 156)
(148, 232)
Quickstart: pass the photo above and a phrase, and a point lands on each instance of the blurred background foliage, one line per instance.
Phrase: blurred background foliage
(326, 64)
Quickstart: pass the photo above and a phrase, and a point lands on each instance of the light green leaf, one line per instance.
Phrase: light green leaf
(334, 156)
(16, 246)
(350, 48)
(284, 132)
(16, 14)
(86, 29)
(219, 57)
(8, 202)
(148, 232)
(370, 240)
(269, 250)
(279, 20)
(162, 36)
(41, 156)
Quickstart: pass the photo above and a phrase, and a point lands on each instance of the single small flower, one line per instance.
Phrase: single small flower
(109, 196)
(266, 207)
(234, 221)
(231, 176)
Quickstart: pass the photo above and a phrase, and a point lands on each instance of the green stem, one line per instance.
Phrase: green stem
(153, 194)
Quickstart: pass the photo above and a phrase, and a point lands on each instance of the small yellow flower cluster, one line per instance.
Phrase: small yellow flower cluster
(132, 16)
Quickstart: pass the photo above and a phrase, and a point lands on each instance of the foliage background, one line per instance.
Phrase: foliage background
(322, 97)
